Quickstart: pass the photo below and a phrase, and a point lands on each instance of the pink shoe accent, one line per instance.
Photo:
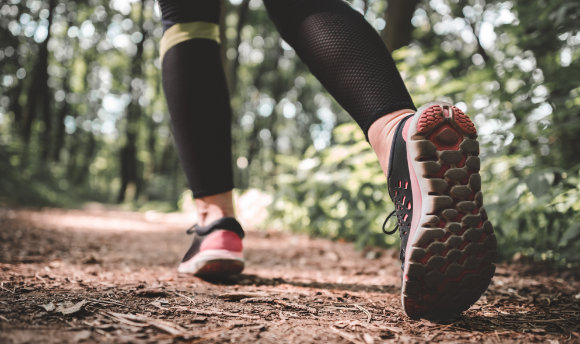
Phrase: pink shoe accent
(430, 118)
(417, 198)
(463, 121)
(222, 240)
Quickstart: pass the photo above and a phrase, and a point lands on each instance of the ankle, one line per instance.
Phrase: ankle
(381, 135)
(213, 207)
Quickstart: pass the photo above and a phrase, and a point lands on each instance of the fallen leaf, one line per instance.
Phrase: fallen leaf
(49, 307)
(67, 310)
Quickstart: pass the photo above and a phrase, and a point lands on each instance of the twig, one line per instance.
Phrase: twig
(291, 305)
(158, 305)
(297, 306)
(369, 315)
(108, 302)
(40, 278)
(184, 296)
(225, 314)
(163, 325)
(342, 308)
(123, 320)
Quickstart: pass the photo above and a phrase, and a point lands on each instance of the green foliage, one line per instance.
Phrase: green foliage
(536, 211)
(521, 90)
(338, 193)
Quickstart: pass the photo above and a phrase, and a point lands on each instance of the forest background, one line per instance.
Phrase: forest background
(83, 116)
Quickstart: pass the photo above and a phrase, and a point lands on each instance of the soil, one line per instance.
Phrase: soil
(99, 275)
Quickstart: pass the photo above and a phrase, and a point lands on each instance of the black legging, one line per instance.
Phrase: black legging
(338, 45)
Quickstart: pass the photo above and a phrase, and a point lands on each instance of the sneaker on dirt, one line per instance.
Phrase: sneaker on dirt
(216, 250)
(447, 243)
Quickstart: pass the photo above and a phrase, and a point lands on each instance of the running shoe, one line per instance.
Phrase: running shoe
(216, 250)
(448, 247)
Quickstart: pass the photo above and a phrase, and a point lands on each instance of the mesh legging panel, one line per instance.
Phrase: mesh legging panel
(345, 53)
(338, 45)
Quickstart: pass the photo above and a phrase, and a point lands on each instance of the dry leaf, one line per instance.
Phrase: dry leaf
(49, 307)
(67, 310)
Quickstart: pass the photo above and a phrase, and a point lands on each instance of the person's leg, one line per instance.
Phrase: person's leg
(350, 59)
(198, 102)
(430, 157)
(199, 106)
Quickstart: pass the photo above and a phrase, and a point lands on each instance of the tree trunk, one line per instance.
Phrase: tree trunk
(63, 111)
(233, 70)
(399, 30)
(130, 178)
(38, 90)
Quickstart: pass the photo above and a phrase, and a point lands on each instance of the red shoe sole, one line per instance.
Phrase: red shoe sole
(450, 254)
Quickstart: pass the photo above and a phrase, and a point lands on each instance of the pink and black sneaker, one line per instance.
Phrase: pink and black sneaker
(447, 243)
(216, 251)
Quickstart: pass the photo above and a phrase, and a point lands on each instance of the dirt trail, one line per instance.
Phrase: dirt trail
(109, 276)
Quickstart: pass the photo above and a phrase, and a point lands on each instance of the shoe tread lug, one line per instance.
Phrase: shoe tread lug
(473, 163)
(454, 241)
(439, 203)
(451, 157)
(449, 214)
(454, 254)
(466, 206)
(460, 192)
(475, 182)
(453, 227)
(471, 220)
(437, 185)
(456, 174)
(436, 247)
(469, 146)
(478, 198)
(425, 149)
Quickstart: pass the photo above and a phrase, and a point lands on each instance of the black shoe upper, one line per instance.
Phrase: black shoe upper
(399, 183)
(201, 232)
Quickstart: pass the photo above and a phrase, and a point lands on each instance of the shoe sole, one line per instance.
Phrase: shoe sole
(450, 255)
(214, 264)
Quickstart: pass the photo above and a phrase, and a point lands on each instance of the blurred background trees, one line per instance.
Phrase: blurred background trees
(83, 117)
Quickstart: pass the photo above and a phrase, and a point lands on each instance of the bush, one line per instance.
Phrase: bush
(341, 193)
(338, 193)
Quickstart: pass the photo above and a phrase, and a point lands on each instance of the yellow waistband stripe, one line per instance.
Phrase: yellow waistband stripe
(182, 32)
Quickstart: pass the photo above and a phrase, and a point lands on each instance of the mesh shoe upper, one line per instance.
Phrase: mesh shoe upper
(399, 183)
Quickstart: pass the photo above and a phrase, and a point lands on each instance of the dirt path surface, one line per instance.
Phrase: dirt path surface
(109, 276)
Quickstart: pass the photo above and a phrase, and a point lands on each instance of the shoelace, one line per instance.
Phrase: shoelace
(391, 232)
(191, 229)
